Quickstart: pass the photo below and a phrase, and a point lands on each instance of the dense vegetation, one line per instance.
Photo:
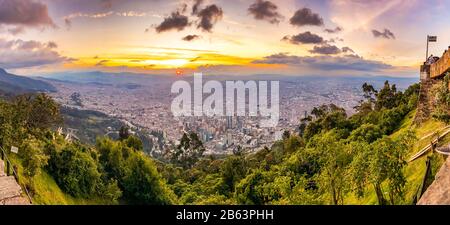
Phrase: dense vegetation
(330, 157)
(111, 170)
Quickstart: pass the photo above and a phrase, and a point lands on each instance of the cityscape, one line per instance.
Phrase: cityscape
(146, 104)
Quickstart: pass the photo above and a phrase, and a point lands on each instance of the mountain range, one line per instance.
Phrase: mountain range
(11, 84)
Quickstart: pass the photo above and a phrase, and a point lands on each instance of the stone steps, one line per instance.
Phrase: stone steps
(10, 190)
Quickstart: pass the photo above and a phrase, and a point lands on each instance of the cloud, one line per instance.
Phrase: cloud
(101, 62)
(265, 10)
(92, 16)
(176, 21)
(24, 13)
(196, 6)
(327, 63)
(334, 40)
(209, 16)
(335, 30)
(23, 54)
(347, 49)
(304, 38)
(326, 49)
(304, 17)
(52, 44)
(16, 30)
(385, 34)
(191, 37)
(68, 23)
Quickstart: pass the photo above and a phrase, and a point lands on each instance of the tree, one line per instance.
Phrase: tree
(188, 152)
(76, 99)
(286, 134)
(134, 143)
(233, 169)
(75, 171)
(369, 92)
(333, 159)
(33, 157)
(124, 132)
(381, 164)
(142, 184)
(387, 97)
(366, 133)
(136, 174)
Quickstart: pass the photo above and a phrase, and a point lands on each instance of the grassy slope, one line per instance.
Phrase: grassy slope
(414, 171)
(47, 192)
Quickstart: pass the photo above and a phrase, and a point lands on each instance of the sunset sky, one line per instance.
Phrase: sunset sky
(289, 37)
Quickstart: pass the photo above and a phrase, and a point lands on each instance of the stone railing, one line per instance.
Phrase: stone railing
(439, 68)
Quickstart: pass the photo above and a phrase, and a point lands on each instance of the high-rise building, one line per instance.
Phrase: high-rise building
(229, 122)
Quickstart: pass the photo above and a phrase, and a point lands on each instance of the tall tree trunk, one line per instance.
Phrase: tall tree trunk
(379, 192)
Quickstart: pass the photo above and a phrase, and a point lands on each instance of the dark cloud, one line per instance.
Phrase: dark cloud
(209, 16)
(196, 6)
(347, 49)
(385, 34)
(101, 62)
(191, 37)
(23, 54)
(328, 63)
(335, 30)
(68, 23)
(52, 44)
(305, 16)
(195, 59)
(334, 40)
(304, 38)
(265, 10)
(176, 21)
(326, 49)
(24, 13)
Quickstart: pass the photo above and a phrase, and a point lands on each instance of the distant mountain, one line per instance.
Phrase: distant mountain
(14, 84)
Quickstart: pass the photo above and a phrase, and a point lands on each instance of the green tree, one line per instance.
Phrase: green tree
(134, 143)
(233, 169)
(33, 157)
(75, 171)
(124, 132)
(189, 151)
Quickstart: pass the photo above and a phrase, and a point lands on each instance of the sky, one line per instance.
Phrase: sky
(286, 37)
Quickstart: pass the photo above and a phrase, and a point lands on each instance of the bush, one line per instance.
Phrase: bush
(75, 171)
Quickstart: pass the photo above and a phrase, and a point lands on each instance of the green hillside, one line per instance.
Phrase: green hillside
(414, 171)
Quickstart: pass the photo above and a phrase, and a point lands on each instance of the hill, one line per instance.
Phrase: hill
(14, 84)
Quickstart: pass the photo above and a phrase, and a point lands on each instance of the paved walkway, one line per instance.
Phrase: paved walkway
(10, 191)
(438, 193)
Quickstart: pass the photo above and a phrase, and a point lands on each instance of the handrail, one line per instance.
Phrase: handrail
(15, 174)
(429, 146)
